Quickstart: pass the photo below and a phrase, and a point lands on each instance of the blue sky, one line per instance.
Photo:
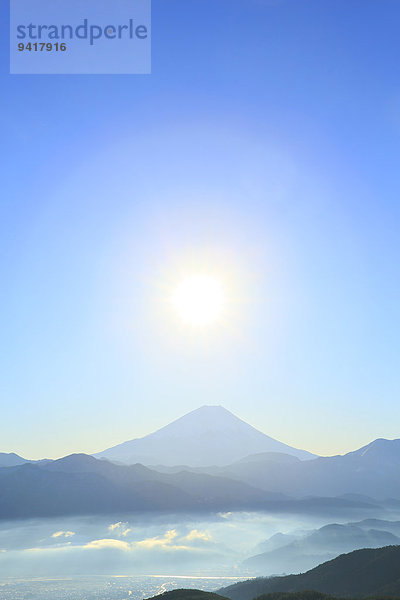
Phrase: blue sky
(265, 147)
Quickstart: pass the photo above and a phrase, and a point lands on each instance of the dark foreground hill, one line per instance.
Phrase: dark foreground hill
(305, 595)
(188, 594)
(362, 573)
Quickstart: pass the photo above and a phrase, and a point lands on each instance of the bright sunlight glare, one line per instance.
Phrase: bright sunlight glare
(199, 300)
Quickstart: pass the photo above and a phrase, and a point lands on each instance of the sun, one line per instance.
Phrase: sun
(199, 300)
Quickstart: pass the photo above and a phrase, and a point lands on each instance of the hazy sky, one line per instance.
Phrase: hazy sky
(264, 148)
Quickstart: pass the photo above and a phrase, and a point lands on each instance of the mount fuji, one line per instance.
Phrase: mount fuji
(207, 436)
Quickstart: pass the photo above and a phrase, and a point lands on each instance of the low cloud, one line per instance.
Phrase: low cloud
(65, 534)
(170, 549)
(108, 543)
(195, 534)
(161, 541)
(120, 528)
(61, 548)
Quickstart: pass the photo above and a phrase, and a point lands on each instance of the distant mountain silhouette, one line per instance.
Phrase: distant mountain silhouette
(362, 573)
(381, 524)
(210, 435)
(311, 549)
(80, 484)
(11, 460)
(275, 457)
(372, 472)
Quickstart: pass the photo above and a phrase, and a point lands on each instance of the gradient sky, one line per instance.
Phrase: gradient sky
(264, 147)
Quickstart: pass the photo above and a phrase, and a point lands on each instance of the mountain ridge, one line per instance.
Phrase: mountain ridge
(81, 484)
(372, 471)
(11, 459)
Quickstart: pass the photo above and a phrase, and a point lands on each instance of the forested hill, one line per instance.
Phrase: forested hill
(362, 573)
(193, 594)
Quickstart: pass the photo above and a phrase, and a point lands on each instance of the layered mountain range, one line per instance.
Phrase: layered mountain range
(372, 471)
(296, 553)
(207, 460)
